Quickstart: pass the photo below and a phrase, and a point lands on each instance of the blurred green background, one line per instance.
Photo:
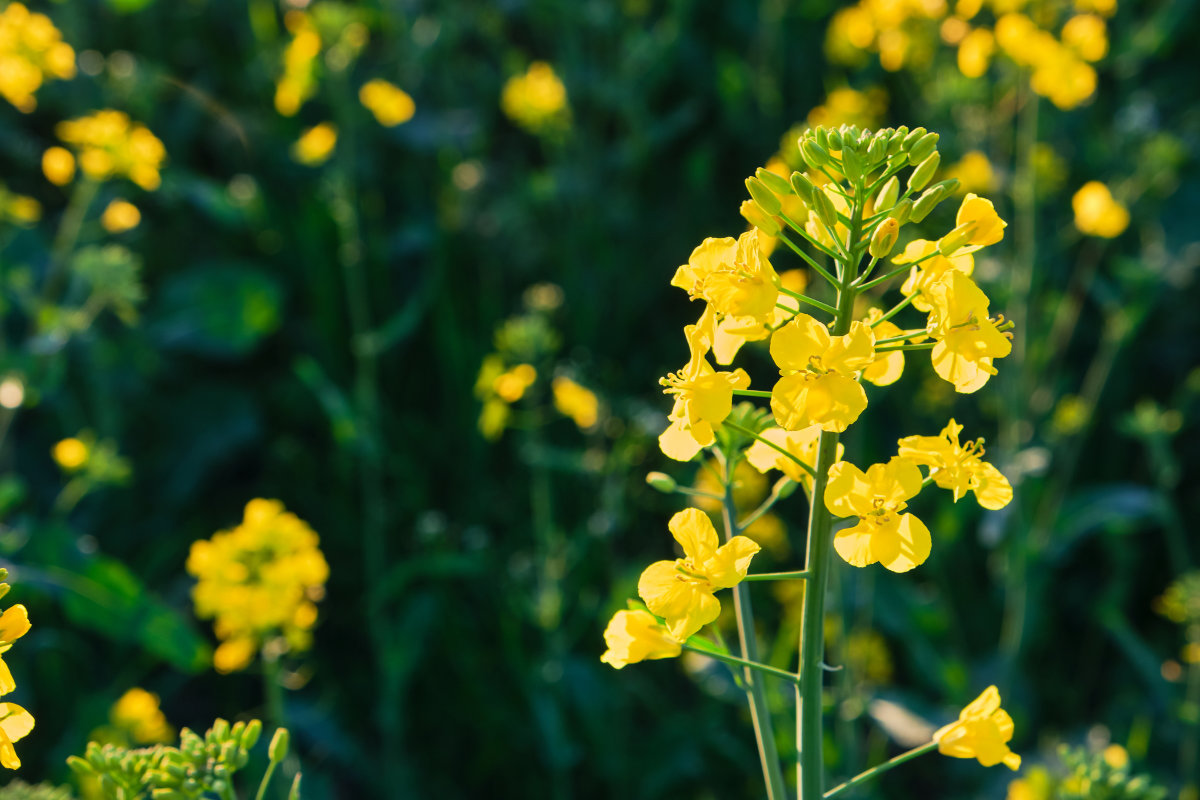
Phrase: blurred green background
(313, 333)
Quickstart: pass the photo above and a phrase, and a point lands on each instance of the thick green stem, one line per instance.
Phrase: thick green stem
(875, 772)
(756, 694)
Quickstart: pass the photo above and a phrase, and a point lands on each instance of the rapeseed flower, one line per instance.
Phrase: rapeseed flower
(682, 591)
(878, 498)
(315, 145)
(973, 172)
(1097, 213)
(390, 104)
(110, 144)
(137, 712)
(71, 454)
(299, 81)
(976, 225)
(634, 636)
(975, 52)
(31, 52)
(734, 277)
(575, 401)
(18, 208)
(818, 385)
(58, 165)
(536, 100)
(958, 467)
(120, 216)
(259, 581)
(968, 341)
(15, 724)
(982, 731)
(1087, 36)
(14, 623)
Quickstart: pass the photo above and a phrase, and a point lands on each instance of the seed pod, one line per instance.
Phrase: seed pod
(926, 203)
(754, 214)
(924, 146)
(913, 137)
(803, 187)
(814, 154)
(888, 194)
(765, 198)
(924, 172)
(776, 183)
(884, 238)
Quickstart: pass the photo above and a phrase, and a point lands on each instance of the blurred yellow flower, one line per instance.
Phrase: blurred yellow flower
(31, 52)
(259, 581)
(846, 106)
(575, 401)
(58, 165)
(1097, 213)
(883, 534)
(536, 100)
(1087, 36)
(120, 216)
(71, 454)
(975, 52)
(634, 636)
(15, 724)
(110, 144)
(510, 386)
(390, 104)
(1105, 8)
(316, 144)
(982, 731)
(137, 712)
(298, 82)
(974, 173)
(958, 467)
(18, 208)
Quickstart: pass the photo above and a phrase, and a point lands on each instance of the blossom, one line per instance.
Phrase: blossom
(682, 591)
(973, 171)
(975, 52)
(802, 444)
(31, 52)
(1086, 35)
(982, 731)
(536, 100)
(958, 467)
(883, 533)
(110, 144)
(120, 216)
(71, 453)
(14, 623)
(575, 401)
(390, 104)
(137, 711)
(259, 581)
(818, 385)
(511, 384)
(1097, 213)
(58, 165)
(734, 277)
(887, 367)
(968, 341)
(933, 265)
(634, 636)
(15, 724)
(298, 81)
(976, 225)
(316, 144)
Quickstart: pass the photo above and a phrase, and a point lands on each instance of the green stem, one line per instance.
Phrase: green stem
(766, 669)
(896, 309)
(828, 309)
(756, 695)
(876, 771)
(766, 504)
(770, 444)
(902, 347)
(798, 575)
(272, 689)
(903, 337)
(266, 780)
(697, 493)
(68, 234)
(811, 261)
(751, 393)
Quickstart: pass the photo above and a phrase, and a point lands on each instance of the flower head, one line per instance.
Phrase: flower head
(575, 401)
(968, 341)
(138, 712)
(818, 386)
(536, 100)
(390, 104)
(958, 467)
(982, 731)
(31, 52)
(1097, 213)
(734, 277)
(110, 144)
(884, 533)
(15, 724)
(315, 145)
(634, 636)
(682, 591)
(976, 225)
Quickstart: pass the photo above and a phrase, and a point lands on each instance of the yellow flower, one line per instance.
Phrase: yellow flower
(71, 454)
(390, 104)
(976, 225)
(887, 368)
(983, 731)
(975, 52)
(634, 636)
(883, 534)
(31, 52)
(15, 724)
(734, 277)
(316, 144)
(137, 711)
(974, 173)
(818, 385)
(58, 165)
(1105, 8)
(968, 341)
(1086, 35)
(1097, 213)
(120, 216)
(957, 467)
(801, 443)
(19, 208)
(14, 623)
(682, 591)
(536, 100)
(703, 397)
(259, 580)
(510, 386)
(110, 144)
(298, 82)
(575, 401)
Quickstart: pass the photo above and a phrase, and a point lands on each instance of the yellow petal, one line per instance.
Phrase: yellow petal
(7, 684)
(695, 533)
(914, 545)
(634, 636)
(677, 442)
(728, 566)
(847, 493)
(851, 352)
(866, 543)
(983, 706)
(14, 623)
(992, 490)
(796, 343)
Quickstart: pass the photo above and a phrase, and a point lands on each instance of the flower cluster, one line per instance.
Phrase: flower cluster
(260, 581)
(137, 713)
(298, 81)
(15, 721)
(31, 52)
(536, 100)
(1097, 213)
(109, 144)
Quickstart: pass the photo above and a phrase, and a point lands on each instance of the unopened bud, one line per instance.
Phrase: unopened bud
(912, 138)
(926, 203)
(803, 187)
(760, 219)
(294, 792)
(888, 194)
(949, 186)
(661, 482)
(784, 488)
(896, 140)
(814, 155)
(884, 238)
(952, 241)
(923, 174)
(877, 149)
(824, 208)
(834, 137)
(79, 766)
(852, 164)
(278, 749)
(902, 211)
(821, 136)
(251, 734)
(776, 183)
(897, 161)
(924, 146)
(766, 199)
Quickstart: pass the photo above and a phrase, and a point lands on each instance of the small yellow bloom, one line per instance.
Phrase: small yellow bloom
(976, 225)
(818, 385)
(31, 53)
(15, 724)
(682, 591)
(298, 82)
(887, 368)
(71, 454)
(536, 100)
(14, 624)
(734, 277)
(21, 209)
(234, 655)
(974, 173)
(58, 165)
(390, 104)
(883, 534)
(958, 467)
(510, 386)
(316, 144)
(634, 636)
(1097, 213)
(1086, 35)
(982, 731)
(975, 52)
(120, 216)
(968, 341)
(1063, 77)
(110, 144)
(137, 711)
(575, 401)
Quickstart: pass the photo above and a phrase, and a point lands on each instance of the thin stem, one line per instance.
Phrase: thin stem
(68, 234)
(760, 713)
(767, 669)
(811, 261)
(897, 348)
(697, 493)
(266, 780)
(751, 393)
(903, 337)
(771, 445)
(896, 309)
(876, 771)
(886, 277)
(828, 309)
(798, 575)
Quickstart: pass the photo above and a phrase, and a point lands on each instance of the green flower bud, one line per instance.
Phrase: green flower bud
(767, 200)
(949, 186)
(949, 244)
(814, 154)
(902, 210)
(824, 208)
(896, 140)
(912, 138)
(4, 587)
(80, 766)
(251, 734)
(834, 138)
(852, 165)
(760, 219)
(924, 146)
(803, 187)
(888, 194)
(219, 730)
(924, 172)
(278, 749)
(662, 482)
(294, 792)
(785, 488)
(877, 149)
(821, 136)
(897, 161)
(776, 183)
(884, 238)
(926, 203)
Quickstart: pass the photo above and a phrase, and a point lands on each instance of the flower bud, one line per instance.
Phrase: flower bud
(834, 138)
(884, 238)
(80, 766)
(912, 138)
(888, 194)
(924, 146)
(821, 136)
(877, 149)
(949, 244)
(760, 219)
(766, 200)
(924, 172)
(294, 792)
(278, 749)
(902, 210)
(251, 734)
(896, 140)
(661, 482)
(897, 161)
(824, 208)
(926, 203)
(776, 183)
(851, 164)
(803, 187)
(814, 155)
(784, 488)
